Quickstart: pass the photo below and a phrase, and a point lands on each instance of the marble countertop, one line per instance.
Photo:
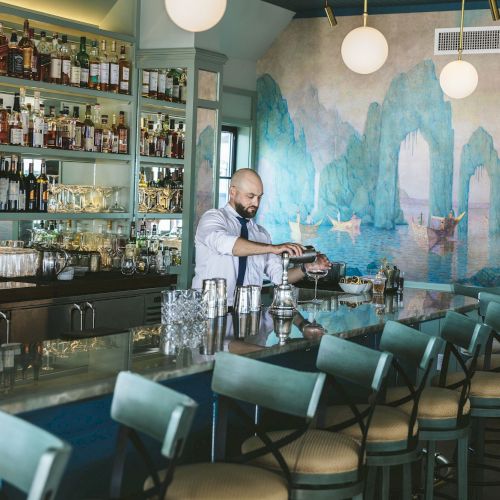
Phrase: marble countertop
(60, 371)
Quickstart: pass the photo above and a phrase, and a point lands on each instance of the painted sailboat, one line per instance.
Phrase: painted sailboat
(303, 230)
(440, 228)
(353, 224)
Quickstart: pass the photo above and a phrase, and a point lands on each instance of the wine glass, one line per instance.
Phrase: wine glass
(116, 205)
(315, 274)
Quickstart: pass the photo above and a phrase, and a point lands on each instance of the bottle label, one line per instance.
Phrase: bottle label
(175, 92)
(16, 136)
(66, 67)
(104, 75)
(75, 75)
(183, 92)
(145, 77)
(153, 81)
(34, 64)
(125, 74)
(55, 68)
(84, 76)
(95, 70)
(162, 83)
(88, 138)
(21, 203)
(38, 132)
(124, 85)
(17, 64)
(4, 192)
(25, 122)
(145, 89)
(78, 137)
(123, 141)
(114, 73)
(13, 194)
(27, 54)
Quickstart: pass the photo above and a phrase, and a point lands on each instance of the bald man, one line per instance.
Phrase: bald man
(231, 245)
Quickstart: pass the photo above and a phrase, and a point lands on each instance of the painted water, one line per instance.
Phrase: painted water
(450, 261)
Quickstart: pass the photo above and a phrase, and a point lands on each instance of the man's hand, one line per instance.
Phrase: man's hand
(293, 249)
(320, 264)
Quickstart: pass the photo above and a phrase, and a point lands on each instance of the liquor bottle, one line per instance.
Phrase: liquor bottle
(142, 180)
(44, 49)
(75, 71)
(153, 83)
(38, 122)
(170, 85)
(26, 45)
(114, 135)
(132, 233)
(114, 69)
(42, 186)
(4, 53)
(13, 189)
(4, 184)
(65, 54)
(4, 124)
(162, 84)
(51, 133)
(145, 83)
(35, 67)
(151, 139)
(142, 137)
(181, 141)
(95, 67)
(15, 57)
(173, 139)
(104, 68)
(162, 137)
(175, 86)
(96, 118)
(88, 130)
(83, 59)
(124, 72)
(183, 87)
(107, 135)
(55, 60)
(24, 115)
(31, 186)
(76, 130)
(65, 126)
(21, 200)
(123, 133)
(16, 127)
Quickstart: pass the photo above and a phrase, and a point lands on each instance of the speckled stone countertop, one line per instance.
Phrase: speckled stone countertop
(60, 371)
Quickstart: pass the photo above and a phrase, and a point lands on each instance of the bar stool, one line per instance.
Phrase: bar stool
(322, 463)
(490, 360)
(393, 435)
(32, 459)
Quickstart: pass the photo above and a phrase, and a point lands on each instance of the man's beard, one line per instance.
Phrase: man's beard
(245, 212)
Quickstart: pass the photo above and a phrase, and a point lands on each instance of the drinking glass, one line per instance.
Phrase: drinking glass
(316, 274)
(116, 205)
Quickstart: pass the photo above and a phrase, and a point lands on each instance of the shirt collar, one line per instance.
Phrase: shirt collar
(234, 213)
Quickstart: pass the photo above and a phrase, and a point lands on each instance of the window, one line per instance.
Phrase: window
(228, 143)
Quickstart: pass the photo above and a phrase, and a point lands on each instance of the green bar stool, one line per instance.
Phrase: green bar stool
(323, 464)
(31, 459)
(490, 360)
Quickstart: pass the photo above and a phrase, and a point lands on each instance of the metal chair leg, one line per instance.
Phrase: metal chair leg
(462, 451)
(386, 482)
(407, 482)
(371, 482)
(429, 470)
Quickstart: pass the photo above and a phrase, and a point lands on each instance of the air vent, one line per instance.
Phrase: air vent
(478, 40)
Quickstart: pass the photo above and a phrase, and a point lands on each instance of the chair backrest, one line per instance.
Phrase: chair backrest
(484, 299)
(410, 345)
(467, 290)
(31, 459)
(153, 409)
(353, 362)
(274, 387)
(464, 332)
(492, 316)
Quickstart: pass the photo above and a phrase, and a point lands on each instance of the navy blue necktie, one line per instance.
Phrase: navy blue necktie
(242, 261)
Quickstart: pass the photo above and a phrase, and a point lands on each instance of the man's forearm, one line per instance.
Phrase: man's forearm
(295, 274)
(243, 248)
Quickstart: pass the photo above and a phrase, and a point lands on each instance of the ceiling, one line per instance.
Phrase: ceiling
(315, 8)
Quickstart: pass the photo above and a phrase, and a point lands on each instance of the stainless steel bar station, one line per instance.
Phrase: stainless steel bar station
(249, 249)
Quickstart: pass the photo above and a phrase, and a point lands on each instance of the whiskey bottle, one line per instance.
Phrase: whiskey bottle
(77, 129)
(24, 115)
(4, 54)
(65, 139)
(107, 135)
(88, 130)
(55, 60)
(83, 59)
(65, 54)
(145, 83)
(104, 68)
(124, 69)
(31, 187)
(75, 71)
(95, 66)
(183, 87)
(4, 124)
(51, 133)
(16, 127)
(26, 46)
(170, 85)
(35, 67)
(114, 69)
(15, 57)
(42, 186)
(4, 184)
(153, 83)
(44, 49)
(96, 118)
(175, 86)
(123, 133)
(38, 122)
(114, 135)
(162, 84)
(180, 141)
(173, 139)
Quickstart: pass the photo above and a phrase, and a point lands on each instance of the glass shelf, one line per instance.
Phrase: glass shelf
(155, 104)
(16, 216)
(163, 161)
(159, 216)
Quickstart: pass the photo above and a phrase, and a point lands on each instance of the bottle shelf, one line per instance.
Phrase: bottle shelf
(62, 92)
(159, 216)
(155, 104)
(63, 154)
(154, 160)
(17, 216)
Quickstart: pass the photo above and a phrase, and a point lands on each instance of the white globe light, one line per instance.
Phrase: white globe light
(195, 15)
(458, 79)
(364, 50)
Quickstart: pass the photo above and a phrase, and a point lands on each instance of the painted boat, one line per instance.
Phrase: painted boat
(305, 230)
(446, 224)
(441, 228)
(353, 224)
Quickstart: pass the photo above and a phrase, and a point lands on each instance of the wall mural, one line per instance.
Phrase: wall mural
(401, 188)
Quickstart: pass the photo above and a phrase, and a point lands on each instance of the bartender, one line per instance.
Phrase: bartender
(231, 245)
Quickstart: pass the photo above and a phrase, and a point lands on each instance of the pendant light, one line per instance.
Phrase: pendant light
(364, 50)
(195, 15)
(458, 79)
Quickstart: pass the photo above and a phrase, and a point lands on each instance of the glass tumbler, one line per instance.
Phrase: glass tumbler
(128, 260)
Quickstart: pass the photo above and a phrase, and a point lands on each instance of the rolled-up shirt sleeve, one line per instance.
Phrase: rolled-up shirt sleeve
(213, 232)
(274, 268)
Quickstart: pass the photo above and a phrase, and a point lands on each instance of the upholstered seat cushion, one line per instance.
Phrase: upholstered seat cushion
(315, 452)
(434, 403)
(494, 362)
(387, 424)
(483, 385)
(224, 482)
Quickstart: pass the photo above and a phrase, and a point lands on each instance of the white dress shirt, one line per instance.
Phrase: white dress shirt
(216, 235)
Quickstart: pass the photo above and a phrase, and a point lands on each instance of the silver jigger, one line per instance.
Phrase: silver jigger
(282, 327)
(283, 303)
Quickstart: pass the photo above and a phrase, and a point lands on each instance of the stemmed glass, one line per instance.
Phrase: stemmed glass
(316, 274)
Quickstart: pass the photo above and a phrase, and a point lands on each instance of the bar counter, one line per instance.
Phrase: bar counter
(57, 371)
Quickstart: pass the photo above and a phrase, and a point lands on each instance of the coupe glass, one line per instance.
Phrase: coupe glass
(316, 274)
